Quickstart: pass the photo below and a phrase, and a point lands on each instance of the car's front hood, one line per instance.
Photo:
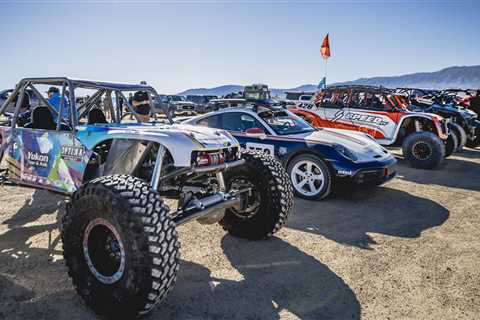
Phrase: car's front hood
(364, 147)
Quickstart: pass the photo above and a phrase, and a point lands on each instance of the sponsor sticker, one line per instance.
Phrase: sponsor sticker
(74, 153)
(359, 117)
(266, 148)
(36, 159)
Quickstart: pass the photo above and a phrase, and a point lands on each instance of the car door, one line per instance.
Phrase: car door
(249, 131)
(49, 159)
(332, 108)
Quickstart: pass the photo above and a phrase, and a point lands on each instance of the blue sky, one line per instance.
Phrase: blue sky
(179, 45)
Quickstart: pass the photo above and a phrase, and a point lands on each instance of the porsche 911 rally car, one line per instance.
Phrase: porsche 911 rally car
(316, 160)
(424, 137)
(119, 237)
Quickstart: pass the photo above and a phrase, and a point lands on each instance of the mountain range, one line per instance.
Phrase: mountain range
(451, 77)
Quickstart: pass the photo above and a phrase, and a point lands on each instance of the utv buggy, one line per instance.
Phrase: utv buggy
(119, 236)
(464, 123)
(423, 137)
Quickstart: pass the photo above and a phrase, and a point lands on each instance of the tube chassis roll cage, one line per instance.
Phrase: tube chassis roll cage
(71, 85)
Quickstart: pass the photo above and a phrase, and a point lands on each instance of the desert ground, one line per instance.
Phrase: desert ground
(407, 250)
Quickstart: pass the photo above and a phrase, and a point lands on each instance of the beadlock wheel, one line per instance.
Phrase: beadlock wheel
(104, 251)
(421, 150)
(253, 201)
(120, 246)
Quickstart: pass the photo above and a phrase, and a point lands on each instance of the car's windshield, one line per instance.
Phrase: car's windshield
(305, 98)
(284, 122)
(177, 98)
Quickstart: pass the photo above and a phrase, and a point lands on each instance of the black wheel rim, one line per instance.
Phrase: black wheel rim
(422, 150)
(104, 251)
(254, 199)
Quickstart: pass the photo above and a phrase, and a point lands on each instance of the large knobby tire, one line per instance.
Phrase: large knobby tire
(423, 150)
(310, 176)
(120, 246)
(460, 133)
(270, 200)
(451, 145)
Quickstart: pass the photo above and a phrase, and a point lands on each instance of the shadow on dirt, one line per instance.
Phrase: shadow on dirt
(454, 173)
(469, 153)
(42, 202)
(348, 218)
(277, 278)
(27, 270)
(18, 302)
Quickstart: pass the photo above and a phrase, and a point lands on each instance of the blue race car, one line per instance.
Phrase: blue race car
(317, 160)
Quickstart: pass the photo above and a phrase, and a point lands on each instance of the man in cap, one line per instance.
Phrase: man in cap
(141, 105)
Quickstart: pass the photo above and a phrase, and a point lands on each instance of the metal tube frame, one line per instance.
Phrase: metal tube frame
(62, 105)
(129, 106)
(157, 171)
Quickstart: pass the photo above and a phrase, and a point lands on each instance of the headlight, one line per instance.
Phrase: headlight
(347, 153)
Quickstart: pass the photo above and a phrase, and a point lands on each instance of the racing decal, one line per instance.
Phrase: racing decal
(55, 160)
(266, 148)
(74, 153)
(36, 159)
(364, 118)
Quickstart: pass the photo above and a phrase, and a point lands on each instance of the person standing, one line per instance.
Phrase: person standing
(54, 99)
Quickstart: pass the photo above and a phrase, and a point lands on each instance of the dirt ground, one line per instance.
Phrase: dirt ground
(407, 250)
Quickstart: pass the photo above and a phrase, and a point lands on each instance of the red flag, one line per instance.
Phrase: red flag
(325, 48)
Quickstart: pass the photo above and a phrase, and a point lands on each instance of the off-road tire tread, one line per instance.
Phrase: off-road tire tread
(461, 135)
(433, 140)
(279, 197)
(452, 144)
(140, 212)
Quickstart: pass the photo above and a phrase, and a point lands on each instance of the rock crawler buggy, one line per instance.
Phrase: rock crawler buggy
(119, 239)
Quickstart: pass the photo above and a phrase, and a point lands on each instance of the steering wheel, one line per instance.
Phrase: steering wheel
(129, 117)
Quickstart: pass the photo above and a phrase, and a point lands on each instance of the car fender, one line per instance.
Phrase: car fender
(179, 145)
(434, 118)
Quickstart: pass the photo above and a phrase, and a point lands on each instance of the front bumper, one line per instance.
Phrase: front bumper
(375, 176)
(370, 173)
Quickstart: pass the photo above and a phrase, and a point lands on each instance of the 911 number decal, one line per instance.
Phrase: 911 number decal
(265, 148)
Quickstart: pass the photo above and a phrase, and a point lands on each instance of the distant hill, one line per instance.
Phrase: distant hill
(222, 90)
(465, 77)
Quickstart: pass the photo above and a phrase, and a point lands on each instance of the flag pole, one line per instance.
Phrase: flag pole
(326, 60)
